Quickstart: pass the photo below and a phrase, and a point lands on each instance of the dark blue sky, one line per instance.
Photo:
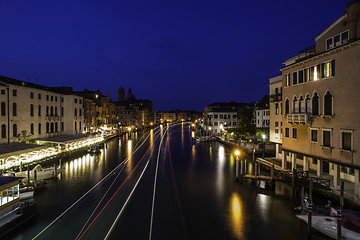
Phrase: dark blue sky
(179, 54)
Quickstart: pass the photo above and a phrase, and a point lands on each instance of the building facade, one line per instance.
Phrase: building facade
(29, 111)
(320, 92)
(275, 99)
(262, 117)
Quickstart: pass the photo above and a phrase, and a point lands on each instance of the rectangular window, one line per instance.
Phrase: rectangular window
(313, 135)
(3, 91)
(294, 133)
(346, 140)
(52, 98)
(329, 43)
(276, 124)
(312, 73)
(287, 132)
(276, 109)
(326, 69)
(327, 138)
(31, 95)
(344, 37)
(295, 78)
(39, 96)
(287, 80)
(234, 116)
(234, 123)
(215, 123)
(55, 99)
(306, 75)
(14, 93)
(301, 76)
(47, 97)
(337, 40)
(75, 100)
(215, 116)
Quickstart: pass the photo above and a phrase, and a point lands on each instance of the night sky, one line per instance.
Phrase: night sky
(179, 54)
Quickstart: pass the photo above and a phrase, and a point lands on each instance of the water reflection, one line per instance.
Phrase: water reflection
(236, 216)
(220, 171)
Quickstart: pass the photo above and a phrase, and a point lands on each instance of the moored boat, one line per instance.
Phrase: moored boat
(41, 173)
(328, 225)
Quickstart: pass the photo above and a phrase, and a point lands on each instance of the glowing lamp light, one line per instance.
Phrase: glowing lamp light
(237, 153)
(263, 136)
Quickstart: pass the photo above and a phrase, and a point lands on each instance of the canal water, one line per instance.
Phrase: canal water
(196, 196)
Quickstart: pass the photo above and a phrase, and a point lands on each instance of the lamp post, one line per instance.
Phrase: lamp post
(237, 153)
(263, 137)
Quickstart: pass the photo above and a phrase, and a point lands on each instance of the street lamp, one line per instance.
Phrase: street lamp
(237, 154)
(263, 137)
(209, 131)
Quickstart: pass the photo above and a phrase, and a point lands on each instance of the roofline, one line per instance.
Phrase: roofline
(342, 17)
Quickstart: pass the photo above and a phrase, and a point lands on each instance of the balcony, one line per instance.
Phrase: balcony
(298, 118)
(56, 118)
(275, 97)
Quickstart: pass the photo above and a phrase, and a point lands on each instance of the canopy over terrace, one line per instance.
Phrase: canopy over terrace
(70, 142)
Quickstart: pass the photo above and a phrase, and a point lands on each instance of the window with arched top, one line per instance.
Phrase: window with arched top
(51, 111)
(295, 105)
(31, 109)
(47, 127)
(52, 127)
(56, 127)
(39, 128)
(315, 104)
(56, 111)
(3, 109)
(287, 106)
(47, 110)
(14, 109)
(301, 104)
(3, 131)
(32, 128)
(75, 112)
(307, 104)
(328, 103)
(39, 110)
(15, 130)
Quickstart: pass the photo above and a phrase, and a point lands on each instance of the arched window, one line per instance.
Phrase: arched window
(52, 127)
(47, 110)
(31, 109)
(315, 104)
(32, 128)
(39, 110)
(295, 105)
(56, 126)
(47, 127)
(80, 112)
(39, 127)
(80, 127)
(3, 109)
(3, 131)
(55, 111)
(287, 106)
(75, 126)
(307, 104)
(75, 112)
(14, 109)
(301, 104)
(51, 111)
(15, 130)
(328, 102)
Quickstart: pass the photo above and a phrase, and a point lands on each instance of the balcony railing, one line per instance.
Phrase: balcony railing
(53, 118)
(275, 97)
(298, 118)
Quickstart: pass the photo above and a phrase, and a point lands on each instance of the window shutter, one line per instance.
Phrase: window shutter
(333, 68)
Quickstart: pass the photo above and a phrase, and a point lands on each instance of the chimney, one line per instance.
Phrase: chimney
(353, 14)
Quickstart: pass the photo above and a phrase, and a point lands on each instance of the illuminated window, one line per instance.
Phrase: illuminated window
(328, 69)
(287, 80)
(337, 40)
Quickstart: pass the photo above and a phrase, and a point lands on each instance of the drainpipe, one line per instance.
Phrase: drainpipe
(8, 111)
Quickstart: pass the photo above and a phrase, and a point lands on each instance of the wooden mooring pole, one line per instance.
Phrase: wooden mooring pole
(237, 169)
(310, 209)
(339, 210)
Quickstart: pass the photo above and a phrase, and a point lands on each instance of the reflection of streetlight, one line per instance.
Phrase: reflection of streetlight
(263, 137)
(237, 153)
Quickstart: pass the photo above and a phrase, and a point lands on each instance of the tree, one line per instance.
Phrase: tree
(246, 125)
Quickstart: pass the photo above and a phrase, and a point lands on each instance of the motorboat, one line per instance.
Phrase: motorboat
(94, 149)
(41, 173)
(327, 225)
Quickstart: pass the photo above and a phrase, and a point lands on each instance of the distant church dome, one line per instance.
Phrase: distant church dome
(130, 96)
